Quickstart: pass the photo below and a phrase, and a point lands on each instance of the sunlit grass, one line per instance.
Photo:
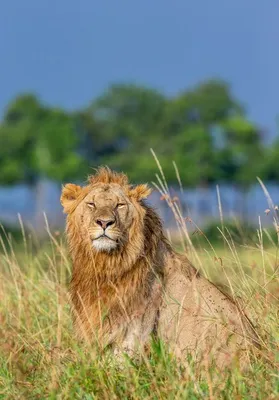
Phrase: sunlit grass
(39, 357)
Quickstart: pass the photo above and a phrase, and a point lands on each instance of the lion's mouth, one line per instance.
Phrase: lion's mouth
(104, 243)
(104, 236)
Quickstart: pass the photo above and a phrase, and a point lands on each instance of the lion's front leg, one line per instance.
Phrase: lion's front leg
(142, 324)
(138, 334)
(132, 342)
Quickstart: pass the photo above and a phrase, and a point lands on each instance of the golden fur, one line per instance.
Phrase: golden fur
(128, 283)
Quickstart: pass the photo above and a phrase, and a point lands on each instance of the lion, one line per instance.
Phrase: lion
(129, 285)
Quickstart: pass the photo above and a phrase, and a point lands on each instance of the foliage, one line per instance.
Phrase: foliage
(37, 141)
(270, 170)
(203, 129)
(237, 230)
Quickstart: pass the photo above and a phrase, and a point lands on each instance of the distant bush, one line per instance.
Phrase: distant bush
(11, 236)
(7, 232)
(233, 230)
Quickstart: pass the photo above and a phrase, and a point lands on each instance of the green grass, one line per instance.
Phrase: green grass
(40, 359)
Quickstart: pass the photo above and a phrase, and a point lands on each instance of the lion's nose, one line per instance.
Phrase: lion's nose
(104, 223)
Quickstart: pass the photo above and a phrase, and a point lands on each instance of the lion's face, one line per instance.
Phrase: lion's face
(103, 213)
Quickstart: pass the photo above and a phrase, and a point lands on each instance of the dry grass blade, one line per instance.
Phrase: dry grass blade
(40, 357)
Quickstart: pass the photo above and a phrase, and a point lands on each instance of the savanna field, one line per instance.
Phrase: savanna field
(40, 358)
(206, 129)
(92, 87)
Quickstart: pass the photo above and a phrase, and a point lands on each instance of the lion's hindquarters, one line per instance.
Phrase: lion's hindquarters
(197, 317)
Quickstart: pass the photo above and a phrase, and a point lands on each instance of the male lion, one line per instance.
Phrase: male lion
(128, 283)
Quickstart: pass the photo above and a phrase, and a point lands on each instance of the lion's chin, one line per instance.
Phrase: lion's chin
(104, 244)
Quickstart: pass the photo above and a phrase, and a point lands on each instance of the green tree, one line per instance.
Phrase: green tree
(203, 129)
(208, 103)
(129, 116)
(94, 140)
(129, 109)
(17, 133)
(269, 170)
(241, 158)
(189, 129)
(38, 142)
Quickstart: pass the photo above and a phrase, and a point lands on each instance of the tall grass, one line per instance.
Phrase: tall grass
(40, 359)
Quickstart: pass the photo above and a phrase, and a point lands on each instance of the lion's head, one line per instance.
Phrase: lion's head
(104, 213)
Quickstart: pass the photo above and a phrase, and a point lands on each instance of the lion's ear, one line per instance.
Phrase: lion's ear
(69, 194)
(140, 192)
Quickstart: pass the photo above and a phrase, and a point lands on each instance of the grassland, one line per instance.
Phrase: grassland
(39, 359)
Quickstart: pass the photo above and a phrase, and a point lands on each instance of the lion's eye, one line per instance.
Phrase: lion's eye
(91, 204)
(120, 205)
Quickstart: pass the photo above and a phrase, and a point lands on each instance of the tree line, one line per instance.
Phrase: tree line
(204, 129)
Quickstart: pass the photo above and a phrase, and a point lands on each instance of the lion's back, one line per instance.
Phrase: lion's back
(196, 316)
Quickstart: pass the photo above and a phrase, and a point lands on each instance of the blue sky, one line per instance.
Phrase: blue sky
(68, 51)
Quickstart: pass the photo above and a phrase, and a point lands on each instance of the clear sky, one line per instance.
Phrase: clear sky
(68, 51)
